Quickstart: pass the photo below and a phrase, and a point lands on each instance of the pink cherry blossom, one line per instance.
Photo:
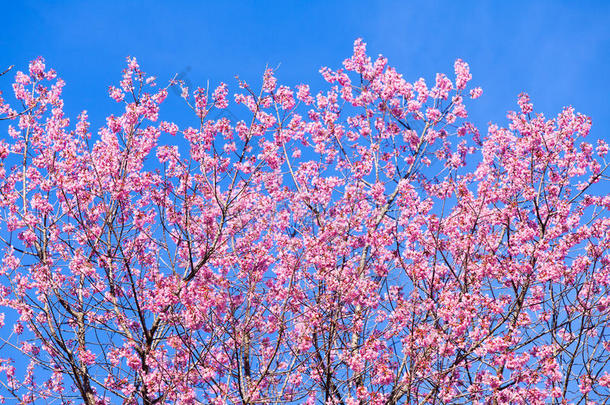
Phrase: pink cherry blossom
(361, 242)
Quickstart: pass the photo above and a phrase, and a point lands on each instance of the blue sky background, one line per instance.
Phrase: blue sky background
(558, 51)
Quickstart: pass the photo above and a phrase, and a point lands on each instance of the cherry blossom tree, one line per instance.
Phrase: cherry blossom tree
(365, 244)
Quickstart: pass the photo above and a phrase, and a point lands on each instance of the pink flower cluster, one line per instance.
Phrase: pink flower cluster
(364, 243)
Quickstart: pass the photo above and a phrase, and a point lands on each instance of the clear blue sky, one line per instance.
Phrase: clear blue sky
(558, 51)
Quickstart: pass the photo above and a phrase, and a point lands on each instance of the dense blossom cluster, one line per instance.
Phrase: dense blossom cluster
(364, 244)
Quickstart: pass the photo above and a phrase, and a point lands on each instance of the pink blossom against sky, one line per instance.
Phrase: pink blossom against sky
(557, 51)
